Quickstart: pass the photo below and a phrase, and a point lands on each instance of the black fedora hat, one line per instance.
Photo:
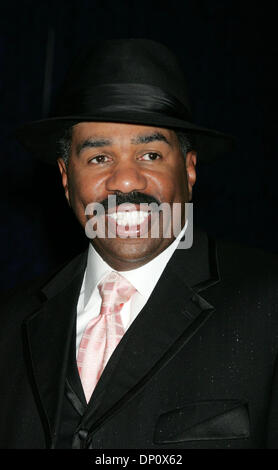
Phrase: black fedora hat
(137, 81)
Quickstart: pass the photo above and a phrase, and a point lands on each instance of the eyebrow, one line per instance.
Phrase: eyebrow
(147, 138)
(98, 142)
(92, 142)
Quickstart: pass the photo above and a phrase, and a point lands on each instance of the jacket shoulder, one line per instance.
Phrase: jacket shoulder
(240, 259)
(22, 300)
(248, 278)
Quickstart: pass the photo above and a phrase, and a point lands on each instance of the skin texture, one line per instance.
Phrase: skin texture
(119, 161)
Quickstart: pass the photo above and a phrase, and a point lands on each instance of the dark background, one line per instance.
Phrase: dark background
(229, 53)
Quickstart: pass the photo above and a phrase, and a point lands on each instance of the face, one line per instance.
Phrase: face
(109, 159)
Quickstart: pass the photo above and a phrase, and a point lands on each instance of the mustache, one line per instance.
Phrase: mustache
(134, 197)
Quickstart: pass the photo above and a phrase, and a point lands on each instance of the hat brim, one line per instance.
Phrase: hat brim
(41, 137)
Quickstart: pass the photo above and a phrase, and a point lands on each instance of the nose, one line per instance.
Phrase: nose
(126, 178)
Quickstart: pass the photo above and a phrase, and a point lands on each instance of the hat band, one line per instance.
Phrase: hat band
(123, 97)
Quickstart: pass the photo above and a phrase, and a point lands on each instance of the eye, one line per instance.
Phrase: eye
(99, 159)
(151, 156)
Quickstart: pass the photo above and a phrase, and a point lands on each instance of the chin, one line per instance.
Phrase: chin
(129, 250)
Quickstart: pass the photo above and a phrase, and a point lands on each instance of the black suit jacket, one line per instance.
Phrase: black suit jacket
(196, 369)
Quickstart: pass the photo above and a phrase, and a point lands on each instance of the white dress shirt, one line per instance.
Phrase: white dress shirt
(144, 279)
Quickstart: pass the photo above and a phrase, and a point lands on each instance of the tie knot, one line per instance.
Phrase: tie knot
(115, 291)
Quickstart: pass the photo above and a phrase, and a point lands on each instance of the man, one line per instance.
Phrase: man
(137, 343)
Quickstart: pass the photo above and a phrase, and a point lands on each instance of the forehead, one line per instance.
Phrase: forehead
(117, 132)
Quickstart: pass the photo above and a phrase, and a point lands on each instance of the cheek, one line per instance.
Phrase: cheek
(180, 182)
(172, 186)
(84, 188)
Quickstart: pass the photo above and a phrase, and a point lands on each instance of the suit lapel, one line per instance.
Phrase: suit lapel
(47, 335)
(173, 314)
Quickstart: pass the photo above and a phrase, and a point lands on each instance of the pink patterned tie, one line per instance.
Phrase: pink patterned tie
(104, 332)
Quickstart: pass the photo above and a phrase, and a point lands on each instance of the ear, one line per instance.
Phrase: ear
(64, 174)
(191, 160)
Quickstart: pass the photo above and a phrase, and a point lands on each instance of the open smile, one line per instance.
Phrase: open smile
(126, 221)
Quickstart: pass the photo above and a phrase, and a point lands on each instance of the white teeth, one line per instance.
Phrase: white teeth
(129, 218)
